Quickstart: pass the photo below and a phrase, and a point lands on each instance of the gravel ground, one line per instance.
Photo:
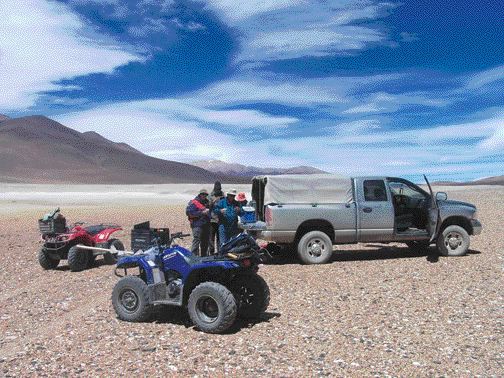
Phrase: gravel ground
(374, 311)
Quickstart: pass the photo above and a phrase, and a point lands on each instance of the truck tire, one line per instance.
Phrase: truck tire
(114, 244)
(252, 295)
(78, 259)
(315, 247)
(130, 299)
(418, 246)
(453, 241)
(46, 261)
(212, 307)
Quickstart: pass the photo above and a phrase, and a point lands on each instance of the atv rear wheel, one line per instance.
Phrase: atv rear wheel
(130, 299)
(78, 259)
(252, 294)
(212, 307)
(115, 245)
(46, 261)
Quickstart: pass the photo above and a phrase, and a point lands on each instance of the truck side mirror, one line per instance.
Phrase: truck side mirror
(441, 196)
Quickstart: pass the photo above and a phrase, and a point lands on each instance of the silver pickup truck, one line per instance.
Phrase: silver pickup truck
(315, 212)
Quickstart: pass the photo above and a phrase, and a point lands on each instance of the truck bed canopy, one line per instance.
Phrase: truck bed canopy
(312, 189)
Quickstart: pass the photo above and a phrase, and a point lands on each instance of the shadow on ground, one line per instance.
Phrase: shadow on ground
(381, 252)
(179, 316)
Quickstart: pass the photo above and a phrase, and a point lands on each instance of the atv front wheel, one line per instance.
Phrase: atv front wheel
(212, 307)
(46, 261)
(252, 294)
(130, 299)
(110, 258)
(78, 259)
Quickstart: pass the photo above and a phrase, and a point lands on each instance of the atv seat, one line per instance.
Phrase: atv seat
(93, 230)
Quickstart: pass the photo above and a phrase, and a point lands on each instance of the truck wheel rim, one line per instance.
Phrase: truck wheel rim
(453, 240)
(129, 300)
(316, 247)
(208, 309)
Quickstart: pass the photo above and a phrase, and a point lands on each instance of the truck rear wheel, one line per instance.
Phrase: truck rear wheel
(212, 307)
(453, 241)
(46, 261)
(315, 247)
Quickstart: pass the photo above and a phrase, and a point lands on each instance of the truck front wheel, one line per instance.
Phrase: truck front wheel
(315, 247)
(453, 241)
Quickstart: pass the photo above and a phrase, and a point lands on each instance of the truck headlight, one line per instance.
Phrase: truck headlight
(475, 215)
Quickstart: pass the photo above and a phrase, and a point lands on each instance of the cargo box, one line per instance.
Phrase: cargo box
(144, 237)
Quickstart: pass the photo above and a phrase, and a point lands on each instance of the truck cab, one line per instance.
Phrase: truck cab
(375, 209)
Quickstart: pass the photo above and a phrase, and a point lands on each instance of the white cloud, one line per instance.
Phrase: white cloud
(178, 130)
(285, 29)
(486, 77)
(382, 102)
(148, 26)
(42, 42)
(236, 11)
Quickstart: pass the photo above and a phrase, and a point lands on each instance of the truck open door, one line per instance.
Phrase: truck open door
(433, 223)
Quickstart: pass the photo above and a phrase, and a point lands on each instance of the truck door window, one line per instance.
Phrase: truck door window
(374, 190)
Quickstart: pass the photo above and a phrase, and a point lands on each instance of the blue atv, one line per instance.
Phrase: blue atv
(215, 289)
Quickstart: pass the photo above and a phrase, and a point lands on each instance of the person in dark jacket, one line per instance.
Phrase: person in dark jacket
(227, 209)
(215, 196)
(199, 217)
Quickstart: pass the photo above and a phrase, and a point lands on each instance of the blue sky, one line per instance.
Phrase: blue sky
(352, 87)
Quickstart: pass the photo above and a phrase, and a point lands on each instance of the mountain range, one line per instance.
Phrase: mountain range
(234, 169)
(36, 149)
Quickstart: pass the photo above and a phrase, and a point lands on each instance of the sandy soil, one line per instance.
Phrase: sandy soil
(375, 310)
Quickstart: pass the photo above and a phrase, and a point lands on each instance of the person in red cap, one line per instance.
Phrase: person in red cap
(241, 199)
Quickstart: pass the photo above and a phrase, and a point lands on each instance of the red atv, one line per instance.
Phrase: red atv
(80, 245)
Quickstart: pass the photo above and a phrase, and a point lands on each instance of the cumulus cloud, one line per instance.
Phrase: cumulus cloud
(43, 42)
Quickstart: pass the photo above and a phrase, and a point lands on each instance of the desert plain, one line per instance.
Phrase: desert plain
(375, 310)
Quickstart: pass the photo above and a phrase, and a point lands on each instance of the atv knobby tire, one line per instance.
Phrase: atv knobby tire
(78, 259)
(212, 307)
(46, 261)
(114, 244)
(130, 299)
(252, 295)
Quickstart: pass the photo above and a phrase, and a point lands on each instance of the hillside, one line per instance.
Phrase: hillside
(36, 149)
